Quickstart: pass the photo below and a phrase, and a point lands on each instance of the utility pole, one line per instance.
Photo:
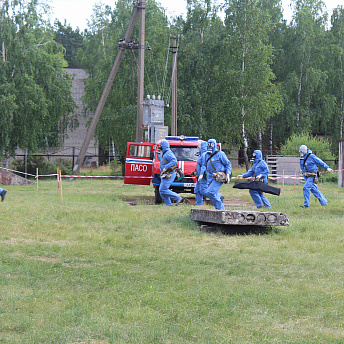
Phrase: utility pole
(140, 73)
(174, 50)
(106, 91)
(341, 164)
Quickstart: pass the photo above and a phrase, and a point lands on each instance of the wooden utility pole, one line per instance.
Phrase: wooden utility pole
(341, 164)
(174, 50)
(140, 74)
(106, 91)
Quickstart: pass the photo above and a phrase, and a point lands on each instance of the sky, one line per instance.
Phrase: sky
(77, 12)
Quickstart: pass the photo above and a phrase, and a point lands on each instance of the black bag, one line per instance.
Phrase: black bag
(257, 185)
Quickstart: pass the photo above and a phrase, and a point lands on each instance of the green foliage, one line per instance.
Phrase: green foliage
(44, 166)
(334, 66)
(35, 93)
(200, 72)
(329, 177)
(107, 27)
(116, 168)
(253, 98)
(320, 146)
(247, 77)
(71, 40)
(307, 75)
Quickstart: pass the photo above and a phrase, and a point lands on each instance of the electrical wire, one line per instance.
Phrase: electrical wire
(153, 62)
(150, 86)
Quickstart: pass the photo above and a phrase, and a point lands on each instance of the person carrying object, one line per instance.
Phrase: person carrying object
(219, 170)
(309, 163)
(201, 185)
(259, 171)
(168, 165)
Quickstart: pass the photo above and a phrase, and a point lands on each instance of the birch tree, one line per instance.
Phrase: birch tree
(201, 79)
(309, 20)
(337, 75)
(254, 99)
(35, 96)
(303, 74)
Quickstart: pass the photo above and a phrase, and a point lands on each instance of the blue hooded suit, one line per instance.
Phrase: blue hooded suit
(259, 168)
(168, 160)
(310, 163)
(215, 161)
(201, 185)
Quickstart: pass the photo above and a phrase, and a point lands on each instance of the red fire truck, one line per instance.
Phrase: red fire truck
(143, 163)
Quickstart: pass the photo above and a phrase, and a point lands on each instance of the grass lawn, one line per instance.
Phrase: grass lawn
(93, 269)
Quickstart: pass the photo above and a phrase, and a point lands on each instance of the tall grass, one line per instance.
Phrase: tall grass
(93, 269)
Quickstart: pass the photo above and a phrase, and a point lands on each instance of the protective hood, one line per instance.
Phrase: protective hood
(303, 151)
(211, 145)
(257, 155)
(165, 146)
(204, 147)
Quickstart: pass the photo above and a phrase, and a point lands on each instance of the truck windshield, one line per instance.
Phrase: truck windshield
(185, 153)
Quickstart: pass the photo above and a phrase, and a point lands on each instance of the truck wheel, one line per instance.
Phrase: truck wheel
(157, 198)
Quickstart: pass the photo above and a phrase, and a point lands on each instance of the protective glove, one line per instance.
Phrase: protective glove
(329, 169)
(200, 177)
(240, 176)
(228, 178)
(164, 170)
(259, 177)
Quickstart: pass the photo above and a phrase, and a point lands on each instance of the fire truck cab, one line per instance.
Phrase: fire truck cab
(143, 163)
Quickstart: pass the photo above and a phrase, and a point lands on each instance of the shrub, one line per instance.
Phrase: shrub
(116, 167)
(65, 165)
(319, 146)
(44, 166)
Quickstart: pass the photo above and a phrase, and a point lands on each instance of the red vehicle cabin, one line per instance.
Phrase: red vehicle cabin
(143, 163)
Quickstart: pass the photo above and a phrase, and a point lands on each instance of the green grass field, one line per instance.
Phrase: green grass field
(93, 269)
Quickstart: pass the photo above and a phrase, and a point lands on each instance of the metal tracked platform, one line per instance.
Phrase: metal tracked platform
(240, 217)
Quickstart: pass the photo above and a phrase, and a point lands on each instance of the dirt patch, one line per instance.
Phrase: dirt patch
(230, 202)
(140, 201)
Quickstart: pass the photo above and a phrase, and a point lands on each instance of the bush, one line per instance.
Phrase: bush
(319, 146)
(44, 166)
(330, 177)
(64, 165)
(116, 167)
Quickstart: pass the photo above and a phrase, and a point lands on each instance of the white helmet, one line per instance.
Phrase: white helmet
(303, 150)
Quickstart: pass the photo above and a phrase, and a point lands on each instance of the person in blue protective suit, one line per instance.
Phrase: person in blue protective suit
(201, 185)
(260, 171)
(215, 161)
(309, 163)
(168, 165)
(2, 194)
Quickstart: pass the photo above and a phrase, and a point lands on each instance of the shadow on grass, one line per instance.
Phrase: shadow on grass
(237, 230)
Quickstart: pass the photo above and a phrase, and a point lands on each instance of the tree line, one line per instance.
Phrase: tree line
(248, 78)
